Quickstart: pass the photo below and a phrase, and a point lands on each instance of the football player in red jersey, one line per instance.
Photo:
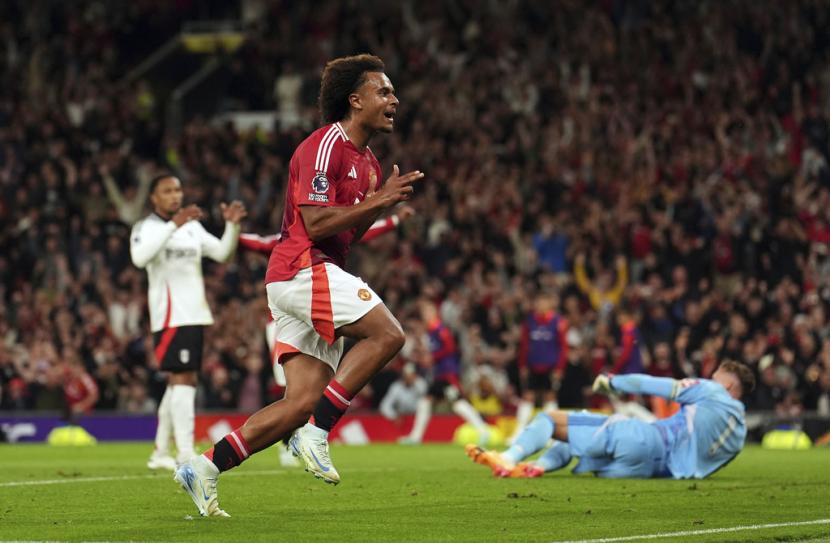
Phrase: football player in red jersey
(334, 194)
(266, 244)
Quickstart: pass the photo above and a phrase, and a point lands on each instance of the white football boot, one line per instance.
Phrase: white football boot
(311, 444)
(198, 478)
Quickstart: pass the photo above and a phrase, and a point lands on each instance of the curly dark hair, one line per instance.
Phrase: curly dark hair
(341, 77)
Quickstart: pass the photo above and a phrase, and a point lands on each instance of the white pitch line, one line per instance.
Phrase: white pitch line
(161, 476)
(73, 480)
(614, 539)
(125, 478)
(701, 532)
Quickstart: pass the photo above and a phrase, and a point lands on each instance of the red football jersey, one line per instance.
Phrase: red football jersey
(326, 170)
(78, 388)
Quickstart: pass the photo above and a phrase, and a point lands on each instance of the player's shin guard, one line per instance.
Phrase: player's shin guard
(229, 452)
(557, 457)
(332, 405)
(532, 439)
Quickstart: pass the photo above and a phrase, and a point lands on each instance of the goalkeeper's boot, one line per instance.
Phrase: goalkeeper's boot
(498, 464)
(311, 445)
(526, 470)
(198, 478)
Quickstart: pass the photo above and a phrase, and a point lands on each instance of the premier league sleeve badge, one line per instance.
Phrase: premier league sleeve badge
(320, 183)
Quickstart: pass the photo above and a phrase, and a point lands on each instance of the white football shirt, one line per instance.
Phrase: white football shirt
(173, 259)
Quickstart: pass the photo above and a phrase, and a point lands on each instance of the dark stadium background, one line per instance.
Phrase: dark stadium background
(687, 140)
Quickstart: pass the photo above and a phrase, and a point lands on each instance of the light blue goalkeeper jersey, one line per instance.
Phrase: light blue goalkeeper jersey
(707, 432)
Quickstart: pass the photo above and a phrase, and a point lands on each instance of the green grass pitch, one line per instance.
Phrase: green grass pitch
(393, 493)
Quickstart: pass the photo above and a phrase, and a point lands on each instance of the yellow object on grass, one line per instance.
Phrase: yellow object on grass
(786, 440)
(467, 433)
(70, 436)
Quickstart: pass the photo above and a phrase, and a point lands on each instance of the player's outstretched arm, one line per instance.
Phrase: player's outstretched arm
(324, 222)
(382, 226)
(260, 244)
(638, 383)
(602, 385)
(221, 250)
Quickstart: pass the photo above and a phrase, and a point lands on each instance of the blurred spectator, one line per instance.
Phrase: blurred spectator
(542, 357)
(818, 395)
(606, 290)
(251, 389)
(445, 379)
(630, 357)
(403, 396)
(130, 206)
(135, 400)
(79, 388)
(287, 88)
(220, 390)
(575, 386)
(551, 245)
(489, 390)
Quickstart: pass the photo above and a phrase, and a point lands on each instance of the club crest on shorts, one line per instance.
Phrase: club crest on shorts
(320, 183)
(364, 295)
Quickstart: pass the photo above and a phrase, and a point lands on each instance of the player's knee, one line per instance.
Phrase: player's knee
(394, 337)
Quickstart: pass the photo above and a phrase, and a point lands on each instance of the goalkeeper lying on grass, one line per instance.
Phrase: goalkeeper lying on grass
(706, 434)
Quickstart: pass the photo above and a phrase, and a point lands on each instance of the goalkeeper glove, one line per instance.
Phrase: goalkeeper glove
(602, 385)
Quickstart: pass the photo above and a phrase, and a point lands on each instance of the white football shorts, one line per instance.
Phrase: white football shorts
(308, 308)
(271, 339)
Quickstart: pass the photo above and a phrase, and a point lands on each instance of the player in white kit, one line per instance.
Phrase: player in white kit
(170, 244)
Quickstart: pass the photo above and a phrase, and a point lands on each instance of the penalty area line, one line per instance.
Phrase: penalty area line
(686, 533)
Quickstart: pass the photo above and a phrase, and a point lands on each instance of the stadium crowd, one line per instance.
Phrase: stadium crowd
(661, 167)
